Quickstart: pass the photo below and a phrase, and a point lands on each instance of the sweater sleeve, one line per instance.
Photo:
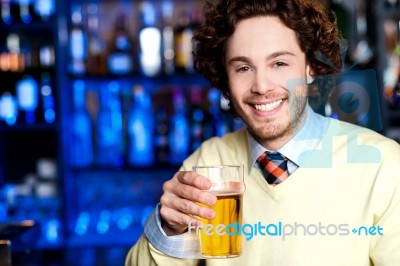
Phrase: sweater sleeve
(385, 248)
(143, 253)
(154, 247)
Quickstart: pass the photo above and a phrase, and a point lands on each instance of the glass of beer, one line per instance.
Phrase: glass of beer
(220, 237)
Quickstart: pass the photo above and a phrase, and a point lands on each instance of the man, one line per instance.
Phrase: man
(339, 204)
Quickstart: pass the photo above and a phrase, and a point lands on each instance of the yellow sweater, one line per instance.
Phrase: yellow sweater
(352, 181)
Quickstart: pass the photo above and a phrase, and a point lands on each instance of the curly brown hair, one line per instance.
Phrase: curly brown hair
(316, 31)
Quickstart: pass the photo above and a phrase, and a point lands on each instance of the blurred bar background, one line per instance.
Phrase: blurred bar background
(99, 105)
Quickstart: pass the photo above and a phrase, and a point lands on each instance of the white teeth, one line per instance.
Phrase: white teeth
(268, 107)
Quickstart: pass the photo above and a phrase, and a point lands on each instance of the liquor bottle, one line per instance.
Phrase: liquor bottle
(46, 56)
(6, 15)
(77, 42)
(82, 223)
(220, 120)
(96, 62)
(161, 135)
(44, 8)
(82, 143)
(24, 11)
(120, 58)
(179, 134)
(168, 53)
(47, 96)
(109, 140)
(183, 44)
(140, 129)
(196, 118)
(27, 98)
(103, 224)
(149, 41)
(52, 229)
(4, 61)
(8, 109)
(15, 57)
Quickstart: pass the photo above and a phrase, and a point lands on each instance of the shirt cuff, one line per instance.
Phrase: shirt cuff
(185, 246)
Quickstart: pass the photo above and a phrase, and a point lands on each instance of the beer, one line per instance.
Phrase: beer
(220, 237)
(214, 240)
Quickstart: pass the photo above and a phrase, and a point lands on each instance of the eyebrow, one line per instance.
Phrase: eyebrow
(269, 57)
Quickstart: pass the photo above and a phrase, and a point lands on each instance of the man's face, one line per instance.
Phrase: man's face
(263, 62)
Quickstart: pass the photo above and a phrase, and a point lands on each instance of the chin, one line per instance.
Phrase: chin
(270, 133)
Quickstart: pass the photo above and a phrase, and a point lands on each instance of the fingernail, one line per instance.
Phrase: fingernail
(210, 214)
(211, 200)
(206, 183)
(196, 223)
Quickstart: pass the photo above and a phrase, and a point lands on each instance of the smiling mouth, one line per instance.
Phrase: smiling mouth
(269, 106)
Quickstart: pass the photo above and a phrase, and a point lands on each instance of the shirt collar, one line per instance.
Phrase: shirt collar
(295, 149)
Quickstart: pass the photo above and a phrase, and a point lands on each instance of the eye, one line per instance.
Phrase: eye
(279, 64)
(243, 69)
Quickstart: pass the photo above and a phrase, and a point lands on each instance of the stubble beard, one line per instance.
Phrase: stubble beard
(266, 132)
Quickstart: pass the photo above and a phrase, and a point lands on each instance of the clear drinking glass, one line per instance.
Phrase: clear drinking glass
(219, 237)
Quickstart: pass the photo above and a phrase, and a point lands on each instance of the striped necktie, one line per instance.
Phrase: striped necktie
(274, 167)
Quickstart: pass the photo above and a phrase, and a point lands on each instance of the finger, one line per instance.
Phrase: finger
(190, 208)
(193, 179)
(174, 187)
(190, 193)
(176, 220)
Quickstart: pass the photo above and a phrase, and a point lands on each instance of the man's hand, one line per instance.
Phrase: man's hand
(179, 201)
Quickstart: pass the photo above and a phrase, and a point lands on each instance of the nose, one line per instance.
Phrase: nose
(263, 82)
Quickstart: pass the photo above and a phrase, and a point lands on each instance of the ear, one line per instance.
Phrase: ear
(309, 74)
